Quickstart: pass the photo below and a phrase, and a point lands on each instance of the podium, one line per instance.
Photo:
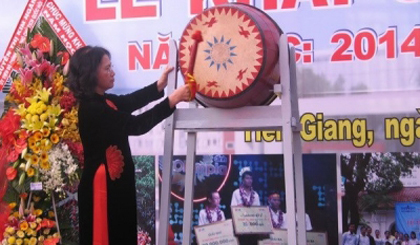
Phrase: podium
(283, 117)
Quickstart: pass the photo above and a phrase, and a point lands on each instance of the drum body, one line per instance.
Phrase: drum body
(237, 61)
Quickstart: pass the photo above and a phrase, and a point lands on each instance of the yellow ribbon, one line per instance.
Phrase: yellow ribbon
(191, 82)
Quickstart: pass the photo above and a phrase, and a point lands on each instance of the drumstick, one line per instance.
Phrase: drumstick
(190, 72)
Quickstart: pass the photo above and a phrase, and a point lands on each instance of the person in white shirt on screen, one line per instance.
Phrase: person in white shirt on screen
(378, 238)
(413, 239)
(350, 237)
(212, 212)
(245, 195)
(277, 216)
(363, 239)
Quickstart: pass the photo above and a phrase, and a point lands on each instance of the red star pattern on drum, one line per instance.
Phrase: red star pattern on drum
(229, 59)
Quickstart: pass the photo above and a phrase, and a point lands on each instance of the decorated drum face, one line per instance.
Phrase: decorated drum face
(237, 62)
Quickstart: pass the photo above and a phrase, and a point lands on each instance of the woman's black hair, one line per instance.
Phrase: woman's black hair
(84, 64)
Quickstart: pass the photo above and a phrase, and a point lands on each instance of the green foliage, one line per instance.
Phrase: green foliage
(377, 174)
(145, 190)
(371, 202)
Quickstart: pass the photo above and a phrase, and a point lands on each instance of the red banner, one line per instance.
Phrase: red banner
(58, 22)
(62, 27)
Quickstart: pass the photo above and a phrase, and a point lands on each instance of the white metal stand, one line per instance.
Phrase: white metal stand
(284, 117)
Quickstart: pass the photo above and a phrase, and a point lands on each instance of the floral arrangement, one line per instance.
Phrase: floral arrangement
(43, 117)
(30, 227)
(39, 131)
(143, 238)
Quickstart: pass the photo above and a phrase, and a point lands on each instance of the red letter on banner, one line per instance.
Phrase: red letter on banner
(128, 10)
(95, 13)
(196, 6)
(270, 4)
(341, 2)
(292, 4)
(162, 56)
(138, 54)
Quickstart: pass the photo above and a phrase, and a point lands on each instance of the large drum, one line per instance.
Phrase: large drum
(237, 61)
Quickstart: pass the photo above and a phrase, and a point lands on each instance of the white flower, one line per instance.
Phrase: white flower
(63, 170)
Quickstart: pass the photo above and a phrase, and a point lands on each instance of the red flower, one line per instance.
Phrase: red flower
(67, 101)
(12, 156)
(47, 223)
(11, 173)
(64, 57)
(8, 126)
(41, 42)
(111, 104)
(115, 161)
(51, 241)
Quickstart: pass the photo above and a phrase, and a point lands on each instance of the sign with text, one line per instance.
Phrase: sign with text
(216, 233)
(252, 220)
(49, 11)
(279, 237)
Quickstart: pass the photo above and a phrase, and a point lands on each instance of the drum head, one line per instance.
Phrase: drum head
(239, 51)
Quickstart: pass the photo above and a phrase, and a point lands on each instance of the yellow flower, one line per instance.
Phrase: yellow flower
(37, 125)
(30, 232)
(38, 220)
(21, 110)
(54, 138)
(51, 214)
(19, 241)
(33, 225)
(12, 205)
(38, 212)
(24, 225)
(37, 136)
(32, 241)
(35, 118)
(11, 230)
(36, 85)
(46, 231)
(44, 94)
(26, 241)
(32, 145)
(52, 122)
(27, 157)
(43, 117)
(46, 144)
(27, 124)
(20, 234)
(41, 238)
(44, 156)
(45, 131)
(11, 240)
(6, 235)
(45, 165)
(36, 149)
(58, 80)
(35, 159)
(31, 139)
(32, 101)
(54, 110)
(30, 172)
(16, 214)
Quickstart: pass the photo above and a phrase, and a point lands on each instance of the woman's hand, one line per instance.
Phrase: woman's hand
(163, 80)
(182, 93)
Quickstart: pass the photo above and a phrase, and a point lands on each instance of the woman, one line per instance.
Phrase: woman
(107, 198)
